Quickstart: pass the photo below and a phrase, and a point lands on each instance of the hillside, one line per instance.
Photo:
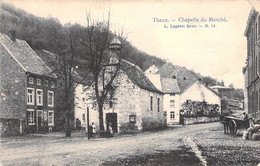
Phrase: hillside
(35, 30)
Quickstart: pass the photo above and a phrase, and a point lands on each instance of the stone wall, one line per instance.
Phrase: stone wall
(127, 103)
(12, 97)
(195, 120)
(155, 118)
(9, 127)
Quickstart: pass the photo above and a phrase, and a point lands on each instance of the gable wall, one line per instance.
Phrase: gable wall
(198, 92)
(13, 79)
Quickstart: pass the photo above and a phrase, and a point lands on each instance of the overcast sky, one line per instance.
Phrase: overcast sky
(218, 50)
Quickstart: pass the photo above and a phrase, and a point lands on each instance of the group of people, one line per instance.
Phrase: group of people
(253, 132)
(92, 128)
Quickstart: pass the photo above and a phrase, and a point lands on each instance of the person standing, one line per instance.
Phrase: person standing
(93, 130)
(110, 129)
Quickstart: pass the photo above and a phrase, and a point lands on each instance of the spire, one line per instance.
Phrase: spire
(115, 44)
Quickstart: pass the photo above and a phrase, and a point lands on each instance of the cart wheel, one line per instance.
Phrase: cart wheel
(232, 127)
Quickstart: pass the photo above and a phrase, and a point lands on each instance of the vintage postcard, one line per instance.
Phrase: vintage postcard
(161, 82)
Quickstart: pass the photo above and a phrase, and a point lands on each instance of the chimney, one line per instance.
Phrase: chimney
(12, 35)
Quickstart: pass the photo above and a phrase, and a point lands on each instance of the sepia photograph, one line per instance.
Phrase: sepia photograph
(122, 83)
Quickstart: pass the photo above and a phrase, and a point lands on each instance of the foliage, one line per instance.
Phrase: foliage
(199, 109)
(36, 31)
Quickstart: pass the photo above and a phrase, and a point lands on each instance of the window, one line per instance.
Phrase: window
(46, 83)
(39, 81)
(30, 96)
(151, 103)
(256, 31)
(172, 103)
(83, 118)
(172, 94)
(39, 97)
(158, 104)
(30, 80)
(172, 115)
(50, 118)
(30, 117)
(50, 98)
(258, 25)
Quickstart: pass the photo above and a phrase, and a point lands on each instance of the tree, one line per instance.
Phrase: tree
(104, 65)
(66, 46)
(208, 81)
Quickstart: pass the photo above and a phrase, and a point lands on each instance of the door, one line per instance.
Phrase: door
(112, 118)
(39, 120)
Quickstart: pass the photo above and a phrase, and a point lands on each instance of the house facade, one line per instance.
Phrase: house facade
(27, 89)
(252, 68)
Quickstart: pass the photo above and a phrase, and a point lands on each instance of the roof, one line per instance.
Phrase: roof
(220, 87)
(169, 85)
(216, 93)
(115, 41)
(24, 55)
(166, 69)
(78, 76)
(253, 13)
(190, 78)
(137, 76)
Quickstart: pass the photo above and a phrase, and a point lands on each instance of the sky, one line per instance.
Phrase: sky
(163, 29)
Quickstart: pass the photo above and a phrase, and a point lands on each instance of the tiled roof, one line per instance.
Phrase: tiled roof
(169, 85)
(166, 70)
(24, 55)
(137, 76)
(50, 59)
(190, 78)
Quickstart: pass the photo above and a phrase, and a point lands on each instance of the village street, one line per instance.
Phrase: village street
(174, 146)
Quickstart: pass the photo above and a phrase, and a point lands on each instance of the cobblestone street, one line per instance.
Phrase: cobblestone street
(179, 145)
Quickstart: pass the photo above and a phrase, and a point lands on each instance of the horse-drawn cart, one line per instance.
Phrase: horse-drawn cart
(234, 125)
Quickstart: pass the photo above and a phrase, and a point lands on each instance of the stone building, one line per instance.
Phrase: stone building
(252, 68)
(134, 103)
(27, 89)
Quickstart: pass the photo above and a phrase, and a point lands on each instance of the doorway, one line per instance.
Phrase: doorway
(39, 120)
(112, 118)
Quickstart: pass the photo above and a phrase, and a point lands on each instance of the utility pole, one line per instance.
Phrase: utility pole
(88, 122)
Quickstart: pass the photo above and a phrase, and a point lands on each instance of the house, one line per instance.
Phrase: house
(134, 103)
(27, 89)
(252, 68)
(180, 85)
(171, 97)
(225, 92)
(198, 92)
(80, 99)
(80, 81)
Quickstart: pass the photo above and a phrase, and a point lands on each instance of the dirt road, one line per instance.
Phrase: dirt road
(81, 151)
